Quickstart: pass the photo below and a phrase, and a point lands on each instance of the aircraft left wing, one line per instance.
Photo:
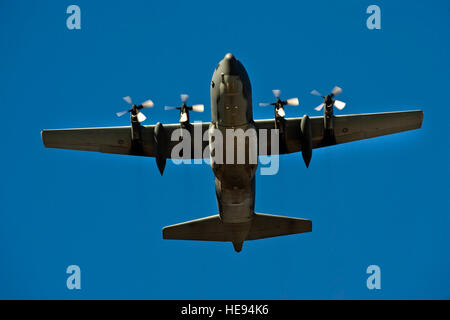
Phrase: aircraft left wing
(116, 140)
(347, 128)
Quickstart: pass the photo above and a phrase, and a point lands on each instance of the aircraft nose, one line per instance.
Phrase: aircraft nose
(229, 56)
(230, 65)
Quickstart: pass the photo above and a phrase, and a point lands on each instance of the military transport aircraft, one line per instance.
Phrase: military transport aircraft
(231, 108)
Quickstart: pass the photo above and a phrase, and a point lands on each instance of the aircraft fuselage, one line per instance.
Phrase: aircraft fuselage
(231, 108)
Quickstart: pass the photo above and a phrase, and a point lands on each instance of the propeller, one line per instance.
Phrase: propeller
(328, 100)
(135, 109)
(184, 109)
(279, 104)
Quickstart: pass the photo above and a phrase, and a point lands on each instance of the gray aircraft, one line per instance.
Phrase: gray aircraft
(231, 108)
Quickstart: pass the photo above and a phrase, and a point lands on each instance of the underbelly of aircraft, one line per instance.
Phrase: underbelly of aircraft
(236, 203)
(235, 184)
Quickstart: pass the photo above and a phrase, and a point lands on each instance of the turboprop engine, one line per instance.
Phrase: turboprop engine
(306, 139)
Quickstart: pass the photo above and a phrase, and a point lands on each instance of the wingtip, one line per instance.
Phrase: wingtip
(164, 231)
(421, 118)
(43, 138)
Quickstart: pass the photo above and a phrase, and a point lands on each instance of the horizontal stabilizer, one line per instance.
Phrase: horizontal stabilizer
(206, 229)
(213, 229)
(267, 225)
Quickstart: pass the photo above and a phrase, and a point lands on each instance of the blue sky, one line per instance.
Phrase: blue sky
(382, 201)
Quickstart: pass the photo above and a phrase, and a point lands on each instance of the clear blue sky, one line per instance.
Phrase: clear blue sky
(383, 201)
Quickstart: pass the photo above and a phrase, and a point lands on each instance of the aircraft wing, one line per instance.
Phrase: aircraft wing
(347, 128)
(115, 139)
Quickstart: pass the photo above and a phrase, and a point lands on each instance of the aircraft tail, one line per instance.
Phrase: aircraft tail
(213, 229)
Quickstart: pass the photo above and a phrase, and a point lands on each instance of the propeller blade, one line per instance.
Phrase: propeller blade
(198, 108)
(147, 104)
(316, 93)
(336, 91)
(281, 112)
(141, 117)
(319, 107)
(183, 117)
(276, 93)
(184, 97)
(169, 108)
(119, 114)
(292, 102)
(264, 104)
(128, 99)
(339, 104)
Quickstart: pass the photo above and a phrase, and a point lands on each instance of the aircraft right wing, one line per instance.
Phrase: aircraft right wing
(116, 139)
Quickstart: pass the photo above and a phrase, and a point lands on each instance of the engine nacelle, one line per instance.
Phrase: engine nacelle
(160, 139)
(306, 139)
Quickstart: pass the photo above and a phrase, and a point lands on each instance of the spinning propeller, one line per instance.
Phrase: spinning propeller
(184, 109)
(135, 110)
(279, 104)
(328, 100)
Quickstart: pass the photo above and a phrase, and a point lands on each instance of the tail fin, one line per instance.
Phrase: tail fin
(213, 229)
